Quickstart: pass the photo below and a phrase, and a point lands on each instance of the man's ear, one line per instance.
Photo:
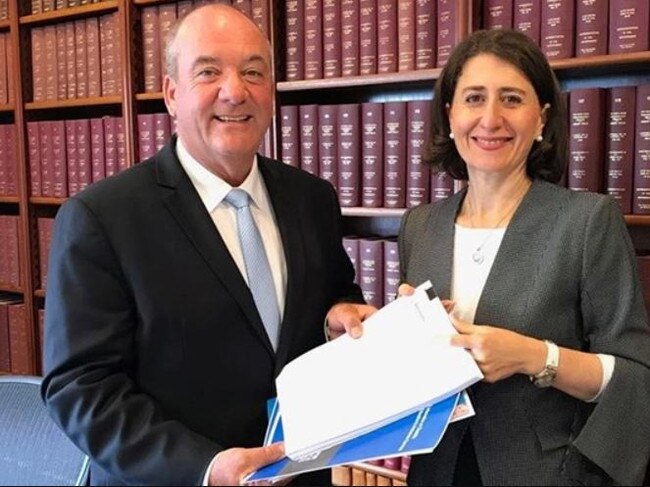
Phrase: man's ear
(169, 94)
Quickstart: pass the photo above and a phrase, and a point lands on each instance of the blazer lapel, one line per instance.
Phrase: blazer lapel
(185, 205)
(289, 225)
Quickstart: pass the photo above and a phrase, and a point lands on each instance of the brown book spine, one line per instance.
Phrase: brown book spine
(425, 34)
(4, 95)
(51, 64)
(184, 7)
(38, 63)
(371, 267)
(442, 186)
(395, 129)
(84, 153)
(61, 63)
(591, 27)
(70, 60)
(367, 37)
(18, 340)
(313, 54)
(498, 14)
(59, 166)
(5, 357)
(151, 49)
(244, 6)
(349, 154)
(628, 26)
(37, 6)
(586, 139)
(417, 173)
(10, 79)
(167, 15)
(558, 28)
(641, 201)
(106, 56)
(387, 39)
(81, 55)
(146, 137)
(93, 57)
(331, 39)
(295, 30)
(98, 159)
(110, 146)
(261, 16)
(406, 35)
(120, 142)
(620, 145)
(350, 37)
(351, 246)
(372, 155)
(447, 33)
(12, 166)
(162, 130)
(72, 156)
(44, 227)
(290, 135)
(391, 270)
(527, 18)
(47, 170)
(34, 148)
(4, 161)
(48, 5)
(309, 138)
(327, 144)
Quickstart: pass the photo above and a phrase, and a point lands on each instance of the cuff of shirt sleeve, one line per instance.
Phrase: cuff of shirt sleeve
(206, 477)
(608, 363)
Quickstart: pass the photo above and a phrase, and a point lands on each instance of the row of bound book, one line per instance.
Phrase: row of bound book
(6, 61)
(10, 272)
(334, 38)
(14, 344)
(157, 21)
(569, 28)
(42, 6)
(77, 59)
(4, 9)
(8, 160)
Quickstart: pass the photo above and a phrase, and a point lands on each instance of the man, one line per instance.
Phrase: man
(158, 360)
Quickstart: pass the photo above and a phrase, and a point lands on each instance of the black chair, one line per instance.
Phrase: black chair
(33, 450)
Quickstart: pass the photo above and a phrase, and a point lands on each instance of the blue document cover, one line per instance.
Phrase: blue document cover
(419, 432)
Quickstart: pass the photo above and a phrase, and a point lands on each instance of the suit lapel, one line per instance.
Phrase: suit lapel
(289, 225)
(185, 205)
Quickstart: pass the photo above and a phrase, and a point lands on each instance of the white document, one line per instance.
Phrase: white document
(348, 387)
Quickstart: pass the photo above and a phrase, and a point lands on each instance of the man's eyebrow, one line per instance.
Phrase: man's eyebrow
(202, 60)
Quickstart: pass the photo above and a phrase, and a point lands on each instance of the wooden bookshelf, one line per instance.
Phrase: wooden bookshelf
(71, 13)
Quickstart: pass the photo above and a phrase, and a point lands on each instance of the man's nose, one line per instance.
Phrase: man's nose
(233, 88)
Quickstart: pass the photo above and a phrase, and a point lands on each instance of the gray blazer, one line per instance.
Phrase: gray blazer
(565, 271)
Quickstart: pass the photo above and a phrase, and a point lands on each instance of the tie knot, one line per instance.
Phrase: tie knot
(238, 198)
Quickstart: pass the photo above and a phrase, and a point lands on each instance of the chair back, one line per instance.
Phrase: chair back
(33, 450)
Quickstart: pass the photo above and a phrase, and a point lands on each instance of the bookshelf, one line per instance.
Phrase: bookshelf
(134, 100)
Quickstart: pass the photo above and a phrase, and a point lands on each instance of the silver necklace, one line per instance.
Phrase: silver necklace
(478, 256)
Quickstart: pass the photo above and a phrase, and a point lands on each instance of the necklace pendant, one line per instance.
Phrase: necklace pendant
(478, 257)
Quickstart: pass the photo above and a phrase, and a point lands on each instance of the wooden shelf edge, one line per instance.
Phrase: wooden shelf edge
(39, 293)
(5, 24)
(69, 13)
(73, 103)
(600, 61)
(142, 3)
(7, 108)
(7, 288)
(363, 80)
(373, 212)
(9, 199)
(149, 96)
(46, 200)
(384, 472)
(638, 220)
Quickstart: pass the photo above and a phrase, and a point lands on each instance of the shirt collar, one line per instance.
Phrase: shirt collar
(212, 189)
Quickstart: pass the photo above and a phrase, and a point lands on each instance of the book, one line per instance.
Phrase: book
(419, 432)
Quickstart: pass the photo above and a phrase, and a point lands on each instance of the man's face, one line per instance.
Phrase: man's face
(222, 97)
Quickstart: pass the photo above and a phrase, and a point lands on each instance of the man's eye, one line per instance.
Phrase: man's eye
(207, 73)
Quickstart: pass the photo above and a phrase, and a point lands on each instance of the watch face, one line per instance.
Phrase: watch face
(546, 378)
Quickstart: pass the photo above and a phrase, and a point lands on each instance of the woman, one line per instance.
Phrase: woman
(543, 280)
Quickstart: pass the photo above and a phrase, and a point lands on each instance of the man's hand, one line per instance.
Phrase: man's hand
(231, 466)
(346, 318)
(407, 290)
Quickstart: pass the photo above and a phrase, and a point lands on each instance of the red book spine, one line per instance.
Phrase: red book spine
(558, 28)
(120, 142)
(45, 229)
(620, 145)
(349, 154)
(351, 246)
(371, 266)
(261, 16)
(586, 139)
(290, 135)
(417, 173)
(395, 129)
(327, 144)
(110, 146)
(498, 14)
(591, 27)
(184, 7)
(425, 34)
(367, 37)
(641, 201)
(387, 36)
(60, 171)
(4, 161)
(98, 161)
(350, 37)
(313, 54)
(5, 359)
(162, 128)
(93, 57)
(406, 35)
(331, 38)
(12, 165)
(628, 26)
(12, 251)
(146, 137)
(527, 18)
(447, 33)
(38, 63)
(10, 79)
(151, 49)
(47, 169)
(18, 340)
(391, 270)
(34, 147)
(442, 186)
(4, 96)
(70, 60)
(61, 63)
(372, 155)
(309, 138)
(51, 75)
(81, 55)
(295, 30)
(71, 156)
(167, 15)
(84, 153)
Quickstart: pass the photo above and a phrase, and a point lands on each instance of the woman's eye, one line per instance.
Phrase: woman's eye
(512, 100)
(473, 99)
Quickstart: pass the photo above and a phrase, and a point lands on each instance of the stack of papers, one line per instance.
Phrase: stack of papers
(339, 390)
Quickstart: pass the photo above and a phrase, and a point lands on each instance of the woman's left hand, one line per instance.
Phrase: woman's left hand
(498, 352)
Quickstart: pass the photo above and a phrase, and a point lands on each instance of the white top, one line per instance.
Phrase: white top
(469, 277)
(213, 190)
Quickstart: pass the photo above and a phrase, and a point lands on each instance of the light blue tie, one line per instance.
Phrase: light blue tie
(258, 270)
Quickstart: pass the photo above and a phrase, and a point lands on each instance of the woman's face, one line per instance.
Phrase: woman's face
(495, 116)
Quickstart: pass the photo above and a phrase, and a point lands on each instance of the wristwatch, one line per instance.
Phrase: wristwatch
(547, 376)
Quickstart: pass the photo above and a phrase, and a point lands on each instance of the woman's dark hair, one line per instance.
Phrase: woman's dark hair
(546, 159)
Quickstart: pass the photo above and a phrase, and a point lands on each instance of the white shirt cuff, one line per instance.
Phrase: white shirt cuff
(206, 477)
(608, 362)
